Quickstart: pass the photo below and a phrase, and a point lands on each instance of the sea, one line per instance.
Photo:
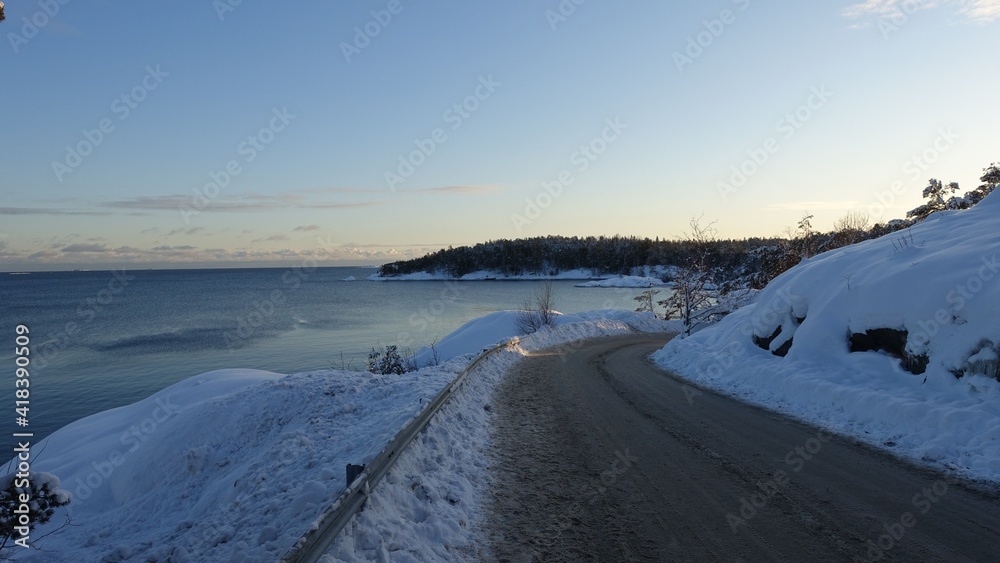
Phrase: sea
(104, 339)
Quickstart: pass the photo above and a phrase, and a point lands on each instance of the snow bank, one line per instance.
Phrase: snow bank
(235, 465)
(230, 465)
(935, 289)
(483, 332)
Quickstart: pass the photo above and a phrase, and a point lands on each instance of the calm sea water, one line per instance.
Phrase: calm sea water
(100, 340)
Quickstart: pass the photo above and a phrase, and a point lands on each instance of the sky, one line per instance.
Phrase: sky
(228, 133)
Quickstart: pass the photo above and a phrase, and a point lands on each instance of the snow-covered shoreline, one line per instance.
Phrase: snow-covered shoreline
(486, 275)
(647, 276)
(238, 464)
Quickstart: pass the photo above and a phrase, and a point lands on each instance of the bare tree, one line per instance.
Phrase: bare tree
(694, 298)
(646, 302)
(853, 227)
(537, 311)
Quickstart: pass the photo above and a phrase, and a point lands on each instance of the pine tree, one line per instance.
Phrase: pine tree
(935, 195)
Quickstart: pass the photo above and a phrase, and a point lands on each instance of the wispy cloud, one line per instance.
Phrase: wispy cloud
(306, 228)
(188, 254)
(4, 253)
(468, 190)
(312, 198)
(191, 231)
(981, 11)
(882, 8)
(272, 238)
(977, 11)
(47, 211)
(233, 203)
(171, 248)
(85, 248)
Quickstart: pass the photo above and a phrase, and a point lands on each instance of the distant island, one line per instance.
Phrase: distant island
(746, 263)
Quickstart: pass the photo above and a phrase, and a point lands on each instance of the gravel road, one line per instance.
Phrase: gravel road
(600, 456)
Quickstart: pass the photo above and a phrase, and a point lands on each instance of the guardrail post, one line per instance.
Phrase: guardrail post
(352, 473)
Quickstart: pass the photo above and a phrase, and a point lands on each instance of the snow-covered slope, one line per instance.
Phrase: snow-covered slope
(925, 301)
(235, 465)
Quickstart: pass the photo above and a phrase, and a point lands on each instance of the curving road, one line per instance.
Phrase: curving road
(599, 456)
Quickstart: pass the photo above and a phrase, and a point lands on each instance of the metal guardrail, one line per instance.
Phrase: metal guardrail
(315, 542)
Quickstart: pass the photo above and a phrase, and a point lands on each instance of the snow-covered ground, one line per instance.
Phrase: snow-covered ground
(936, 287)
(235, 465)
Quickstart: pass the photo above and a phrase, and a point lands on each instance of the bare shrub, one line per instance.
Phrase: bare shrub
(537, 311)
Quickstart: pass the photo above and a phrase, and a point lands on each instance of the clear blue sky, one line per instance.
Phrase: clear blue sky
(896, 86)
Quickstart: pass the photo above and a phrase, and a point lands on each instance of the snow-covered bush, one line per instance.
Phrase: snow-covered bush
(387, 363)
(27, 502)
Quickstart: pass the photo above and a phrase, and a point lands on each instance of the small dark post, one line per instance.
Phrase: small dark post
(353, 471)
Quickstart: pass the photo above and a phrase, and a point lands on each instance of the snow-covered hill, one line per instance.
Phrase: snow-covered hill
(921, 311)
